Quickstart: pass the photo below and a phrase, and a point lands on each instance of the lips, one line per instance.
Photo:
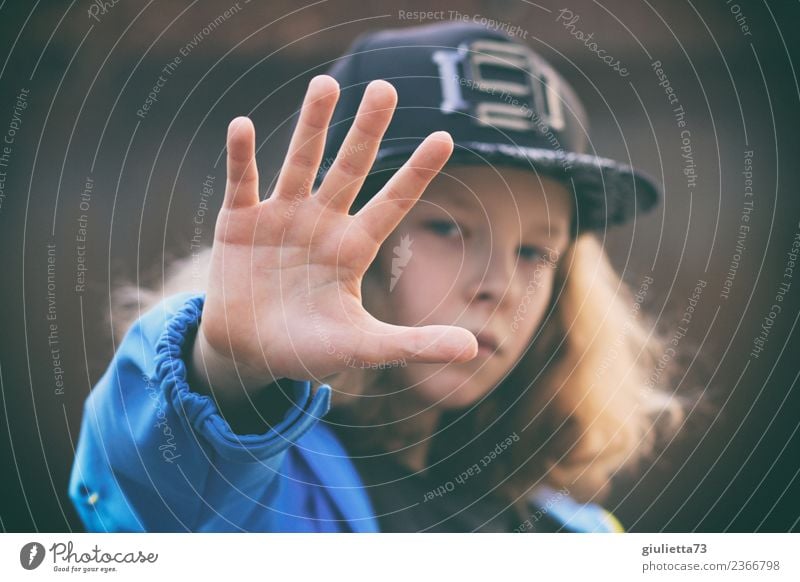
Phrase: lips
(488, 343)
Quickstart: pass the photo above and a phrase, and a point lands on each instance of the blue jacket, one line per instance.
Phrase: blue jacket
(155, 456)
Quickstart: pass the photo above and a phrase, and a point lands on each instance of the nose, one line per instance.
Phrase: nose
(492, 278)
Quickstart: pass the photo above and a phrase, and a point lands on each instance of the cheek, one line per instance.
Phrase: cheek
(421, 289)
(530, 311)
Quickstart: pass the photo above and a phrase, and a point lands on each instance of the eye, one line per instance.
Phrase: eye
(444, 228)
(530, 253)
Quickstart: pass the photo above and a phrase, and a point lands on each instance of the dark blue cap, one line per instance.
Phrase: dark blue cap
(502, 103)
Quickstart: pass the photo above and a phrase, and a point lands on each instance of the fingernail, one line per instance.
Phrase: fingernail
(441, 136)
(322, 79)
(237, 122)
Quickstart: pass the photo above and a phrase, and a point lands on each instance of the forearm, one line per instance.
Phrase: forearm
(153, 452)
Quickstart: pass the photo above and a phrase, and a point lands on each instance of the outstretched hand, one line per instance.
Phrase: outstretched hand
(284, 291)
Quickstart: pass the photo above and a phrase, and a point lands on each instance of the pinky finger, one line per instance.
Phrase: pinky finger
(241, 189)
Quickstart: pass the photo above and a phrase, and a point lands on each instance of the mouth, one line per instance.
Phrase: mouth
(488, 345)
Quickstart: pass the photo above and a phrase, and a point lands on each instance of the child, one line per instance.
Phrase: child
(366, 357)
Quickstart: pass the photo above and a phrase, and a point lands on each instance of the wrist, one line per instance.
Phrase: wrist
(251, 403)
(213, 371)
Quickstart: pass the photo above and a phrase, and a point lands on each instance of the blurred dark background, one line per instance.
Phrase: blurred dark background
(84, 72)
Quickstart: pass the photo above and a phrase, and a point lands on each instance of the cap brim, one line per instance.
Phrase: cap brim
(607, 192)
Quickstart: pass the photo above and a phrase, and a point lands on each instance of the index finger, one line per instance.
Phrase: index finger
(381, 215)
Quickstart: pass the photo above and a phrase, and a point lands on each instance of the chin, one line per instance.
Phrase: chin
(451, 389)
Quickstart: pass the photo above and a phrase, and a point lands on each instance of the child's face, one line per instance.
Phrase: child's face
(478, 251)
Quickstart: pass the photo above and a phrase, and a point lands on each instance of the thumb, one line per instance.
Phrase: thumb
(430, 344)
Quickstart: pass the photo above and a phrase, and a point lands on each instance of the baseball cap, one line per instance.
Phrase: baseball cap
(502, 103)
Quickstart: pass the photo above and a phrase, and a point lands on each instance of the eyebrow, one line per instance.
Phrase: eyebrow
(463, 202)
(547, 229)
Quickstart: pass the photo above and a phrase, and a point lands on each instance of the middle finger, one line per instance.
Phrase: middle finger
(360, 146)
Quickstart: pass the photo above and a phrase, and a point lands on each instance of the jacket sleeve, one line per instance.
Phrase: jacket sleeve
(155, 456)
